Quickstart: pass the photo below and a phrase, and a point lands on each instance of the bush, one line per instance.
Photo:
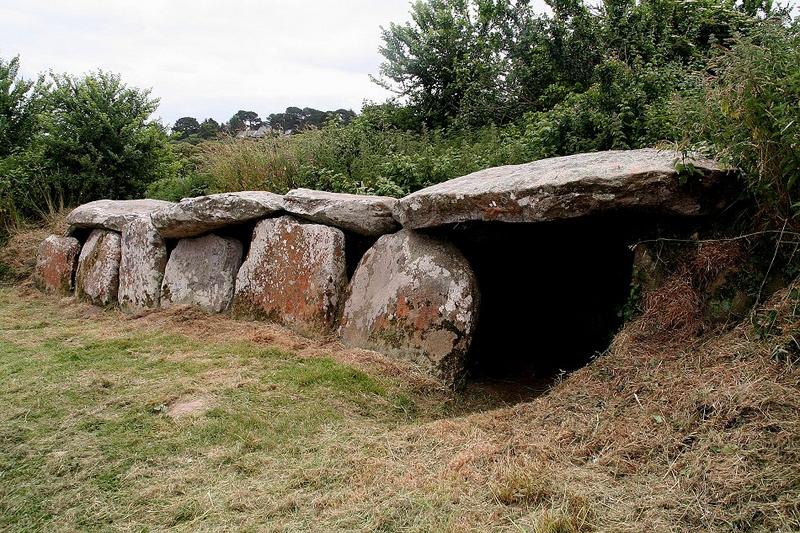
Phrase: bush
(747, 114)
(75, 140)
(97, 141)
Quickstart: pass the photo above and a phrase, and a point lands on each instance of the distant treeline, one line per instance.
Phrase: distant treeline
(293, 120)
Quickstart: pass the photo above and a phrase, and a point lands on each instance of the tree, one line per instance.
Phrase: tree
(97, 140)
(185, 126)
(449, 61)
(243, 120)
(209, 129)
(20, 102)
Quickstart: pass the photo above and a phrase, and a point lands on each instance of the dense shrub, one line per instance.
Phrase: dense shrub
(76, 139)
(747, 113)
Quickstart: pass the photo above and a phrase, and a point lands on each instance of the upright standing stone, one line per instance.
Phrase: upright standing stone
(202, 272)
(97, 278)
(415, 297)
(141, 269)
(56, 260)
(295, 273)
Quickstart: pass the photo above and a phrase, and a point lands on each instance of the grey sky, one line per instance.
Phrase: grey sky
(210, 57)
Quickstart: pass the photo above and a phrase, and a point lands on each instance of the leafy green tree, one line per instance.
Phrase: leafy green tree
(97, 140)
(448, 61)
(20, 102)
(209, 129)
(185, 126)
(243, 120)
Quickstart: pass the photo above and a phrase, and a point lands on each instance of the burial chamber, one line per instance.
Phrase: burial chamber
(509, 272)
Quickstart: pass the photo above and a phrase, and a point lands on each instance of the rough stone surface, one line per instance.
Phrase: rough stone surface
(202, 272)
(56, 260)
(97, 278)
(365, 215)
(142, 264)
(194, 216)
(112, 214)
(295, 273)
(567, 187)
(415, 297)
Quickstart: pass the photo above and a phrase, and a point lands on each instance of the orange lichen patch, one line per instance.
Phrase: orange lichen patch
(294, 274)
(56, 260)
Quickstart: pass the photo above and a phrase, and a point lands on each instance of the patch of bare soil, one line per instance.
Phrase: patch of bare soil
(190, 406)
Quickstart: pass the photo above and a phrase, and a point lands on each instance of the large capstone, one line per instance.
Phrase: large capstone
(201, 272)
(56, 260)
(112, 214)
(97, 278)
(294, 274)
(364, 215)
(194, 216)
(415, 297)
(141, 269)
(658, 182)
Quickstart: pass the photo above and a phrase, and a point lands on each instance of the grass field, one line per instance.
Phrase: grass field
(176, 420)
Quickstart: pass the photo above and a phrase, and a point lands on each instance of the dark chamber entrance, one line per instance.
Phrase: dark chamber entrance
(551, 295)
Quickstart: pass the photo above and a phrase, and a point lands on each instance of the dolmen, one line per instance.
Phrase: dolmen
(376, 272)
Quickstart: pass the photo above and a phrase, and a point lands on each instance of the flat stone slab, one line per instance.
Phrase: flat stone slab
(112, 214)
(195, 216)
(295, 274)
(201, 272)
(414, 297)
(56, 261)
(362, 214)
(141, 268)
(567, 187)
(97, 277)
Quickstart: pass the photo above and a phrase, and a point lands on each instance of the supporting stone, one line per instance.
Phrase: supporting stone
(141, 269)
(97, 278)
(294, 274)
(202, 272)
(195, 216)
(56, 260)
(415, 297)
(361, 214)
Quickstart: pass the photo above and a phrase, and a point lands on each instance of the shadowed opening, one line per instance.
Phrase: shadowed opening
(552, 296)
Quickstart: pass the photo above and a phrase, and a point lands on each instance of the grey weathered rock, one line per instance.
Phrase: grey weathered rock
(202, 272)
(365, 215)
(56, 260)
(194, 216)
(294, 273)
(415, 297)
(97, 278)
(567, 187)
(112, 214)
(142, 264)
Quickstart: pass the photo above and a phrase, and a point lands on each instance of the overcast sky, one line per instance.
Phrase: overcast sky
(210, 57)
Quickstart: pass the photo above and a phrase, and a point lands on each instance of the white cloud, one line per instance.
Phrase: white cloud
(210, 58)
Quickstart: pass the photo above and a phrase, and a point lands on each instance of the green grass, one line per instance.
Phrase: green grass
(88, 441)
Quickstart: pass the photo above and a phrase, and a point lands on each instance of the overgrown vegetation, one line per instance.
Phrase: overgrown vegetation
(478, 82)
